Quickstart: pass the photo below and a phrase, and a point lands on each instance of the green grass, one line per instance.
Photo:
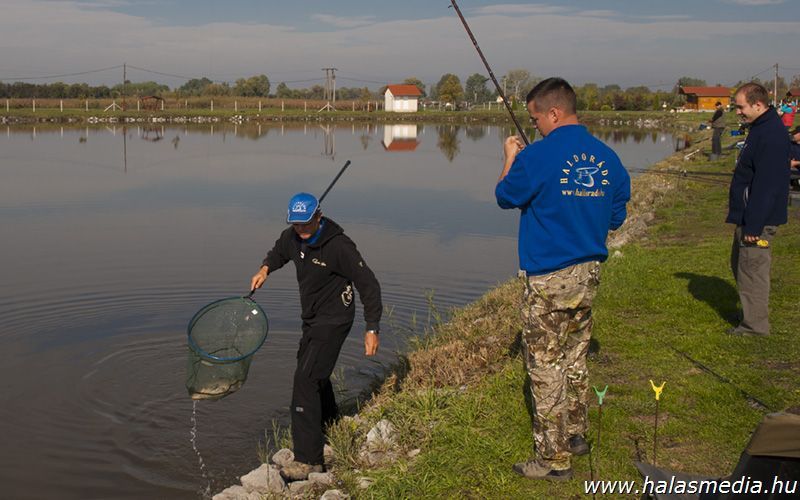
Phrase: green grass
(670, 293)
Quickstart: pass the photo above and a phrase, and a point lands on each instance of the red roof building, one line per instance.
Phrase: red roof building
(705, 98)
(402, 98)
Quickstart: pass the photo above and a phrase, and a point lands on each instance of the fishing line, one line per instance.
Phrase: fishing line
(749, 397)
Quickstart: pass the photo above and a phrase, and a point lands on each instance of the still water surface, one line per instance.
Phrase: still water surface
(112, 238)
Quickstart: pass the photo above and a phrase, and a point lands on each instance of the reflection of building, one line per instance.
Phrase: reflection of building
(402, 98)
(704, 98)
(400, 137)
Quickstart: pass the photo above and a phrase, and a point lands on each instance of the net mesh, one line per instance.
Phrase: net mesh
(223, 336)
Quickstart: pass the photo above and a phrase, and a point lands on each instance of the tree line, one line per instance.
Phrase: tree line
(477, 89)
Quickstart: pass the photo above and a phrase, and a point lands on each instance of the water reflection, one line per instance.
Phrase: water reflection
(448, 142)
(398, 137)
(401, 137)
(475, 132)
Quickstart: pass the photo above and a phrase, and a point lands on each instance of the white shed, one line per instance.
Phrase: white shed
(402, 98)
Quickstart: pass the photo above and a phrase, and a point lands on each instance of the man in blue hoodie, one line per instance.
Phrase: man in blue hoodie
(571, 189)
(757, 201)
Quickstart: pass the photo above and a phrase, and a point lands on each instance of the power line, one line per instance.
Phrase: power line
(62, 75)
(182, 77)
(762, 72)
(362, 81)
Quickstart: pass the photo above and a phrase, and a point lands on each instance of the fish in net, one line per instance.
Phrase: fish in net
(223, 337)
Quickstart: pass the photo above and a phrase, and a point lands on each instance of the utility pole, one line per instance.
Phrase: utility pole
(775, 94)
(330, 89)
(124, 83)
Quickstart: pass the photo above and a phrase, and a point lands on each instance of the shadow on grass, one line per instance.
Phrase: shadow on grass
(716, 292)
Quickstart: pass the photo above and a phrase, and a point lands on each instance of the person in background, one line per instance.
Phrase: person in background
(794, 148)
(787, 112)
(717, 126)
(328, 264)
(794, 158)
(571, 189)
(757, 201)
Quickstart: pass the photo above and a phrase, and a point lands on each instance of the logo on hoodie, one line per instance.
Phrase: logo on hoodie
(588, 172)
(347, 296)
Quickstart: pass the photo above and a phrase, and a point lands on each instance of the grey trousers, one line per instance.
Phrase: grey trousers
(750, 264)
(716, 141)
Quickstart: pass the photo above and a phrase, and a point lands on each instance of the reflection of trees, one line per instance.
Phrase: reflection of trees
(475, 132)
(511, 129)
(365, 141)
(448, 142)
(623, 135)
(253, 132)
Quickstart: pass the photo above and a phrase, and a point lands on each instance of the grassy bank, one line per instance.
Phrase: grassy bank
(665, 303)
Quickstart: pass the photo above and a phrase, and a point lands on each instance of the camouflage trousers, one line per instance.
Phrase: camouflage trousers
(557, 319)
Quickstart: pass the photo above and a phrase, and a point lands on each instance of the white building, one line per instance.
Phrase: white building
(402, 98)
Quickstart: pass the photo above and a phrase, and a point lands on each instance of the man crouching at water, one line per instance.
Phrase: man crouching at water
(571, 190)
(328, 264)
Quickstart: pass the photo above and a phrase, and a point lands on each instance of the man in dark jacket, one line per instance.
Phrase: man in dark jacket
(757, 202)
(328, 264)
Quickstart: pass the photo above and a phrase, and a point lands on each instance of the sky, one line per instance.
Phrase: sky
(371, 43)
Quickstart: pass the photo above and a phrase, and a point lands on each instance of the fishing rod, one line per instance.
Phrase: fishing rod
(522, 134)
(346, 164)
(693, 175)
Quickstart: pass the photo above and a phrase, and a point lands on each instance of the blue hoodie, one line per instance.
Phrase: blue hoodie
(571, 189)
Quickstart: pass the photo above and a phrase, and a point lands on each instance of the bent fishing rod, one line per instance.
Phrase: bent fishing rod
(522, 134)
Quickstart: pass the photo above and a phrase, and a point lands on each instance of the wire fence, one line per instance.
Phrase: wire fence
(188, 104)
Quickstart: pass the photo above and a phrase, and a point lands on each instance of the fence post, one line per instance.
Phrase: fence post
(61, 104)
(212, 104)
(87, 104)
(6, 105)
(259, 107)
(138, 105)
(34, 105)
(162, 104)
(236, 106)
(282, 108)
(305, 106)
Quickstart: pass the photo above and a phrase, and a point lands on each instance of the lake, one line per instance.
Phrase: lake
(113, 237)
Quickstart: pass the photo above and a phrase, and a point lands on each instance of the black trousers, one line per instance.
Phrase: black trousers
(313, 400)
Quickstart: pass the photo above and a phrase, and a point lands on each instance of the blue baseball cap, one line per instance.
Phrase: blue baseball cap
(302, 208)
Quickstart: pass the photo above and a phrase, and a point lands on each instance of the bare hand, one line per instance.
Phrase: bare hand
(259, 278)
(750, 239)
(512, 146)
(371, 343)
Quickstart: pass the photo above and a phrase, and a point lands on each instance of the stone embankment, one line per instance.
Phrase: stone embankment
(379, 449)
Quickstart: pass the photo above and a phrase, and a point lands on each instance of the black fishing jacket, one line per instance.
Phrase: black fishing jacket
(759, 191)
(326, 272)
